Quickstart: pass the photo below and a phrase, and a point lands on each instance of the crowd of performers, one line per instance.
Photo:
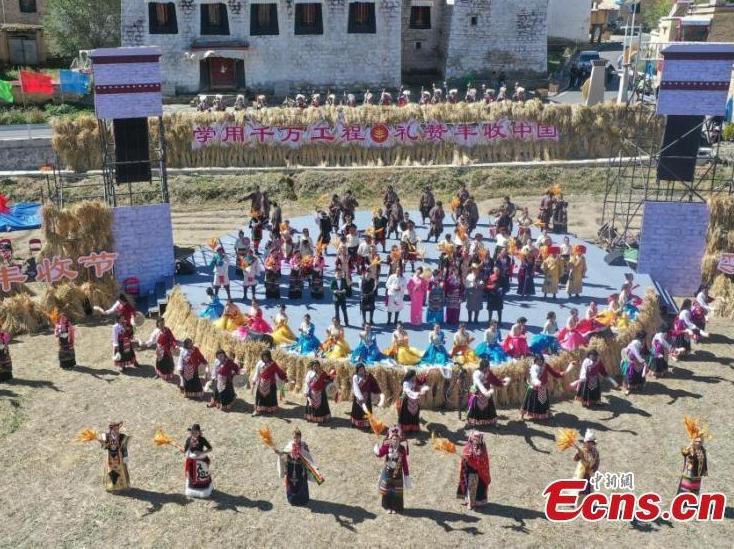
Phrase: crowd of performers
(465, 266)
(436, 95)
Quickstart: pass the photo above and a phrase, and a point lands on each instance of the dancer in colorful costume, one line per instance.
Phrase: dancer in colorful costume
(282, 334)
(491, 347)
(537, 396)
(296, 466)
(417, 289)
(123, 349)
(66, 335)
(231, 319)
(587, 458)
(364, 387)
(367, 351)
(314, 389)
(547, 340)
(462, 352)
(695, 462)
(516, 343)
(335, 347)
(409, 405)
(189, 361)
(570, 337)
(164, 342)
(634, 363)
(588, 385)
(225, 370)
(474, 474)
(481, 407)
(265, 381)
(436, 353)
(400, 350)
(395, 476)
(198, 477)
(307, 343)
(116, 475)
(214, 309)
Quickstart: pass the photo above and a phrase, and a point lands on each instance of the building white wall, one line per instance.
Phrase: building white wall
(510, 36)
(569, 19)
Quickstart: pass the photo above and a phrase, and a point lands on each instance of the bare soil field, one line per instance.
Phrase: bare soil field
(52, 494)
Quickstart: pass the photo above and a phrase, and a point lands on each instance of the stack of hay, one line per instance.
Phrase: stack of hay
(69, 233)
(720, 239)
(185, 323)
(586, 132)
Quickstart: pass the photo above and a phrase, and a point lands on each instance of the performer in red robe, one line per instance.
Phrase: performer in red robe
(265, 384)
(474, 475)
(315, 384)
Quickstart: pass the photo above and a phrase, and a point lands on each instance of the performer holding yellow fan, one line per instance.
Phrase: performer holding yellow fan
(695, 462)
(116, 477)
(297, 467)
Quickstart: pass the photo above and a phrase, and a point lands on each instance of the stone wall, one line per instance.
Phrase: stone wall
(569, 20)
(493, 36)
(144, 239)
(468, 37)
(672, 244)
(286, 61)
(25, 154)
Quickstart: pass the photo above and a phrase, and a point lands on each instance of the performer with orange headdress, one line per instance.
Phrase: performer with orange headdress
(474, 474)
(695, 462)
(552, 270)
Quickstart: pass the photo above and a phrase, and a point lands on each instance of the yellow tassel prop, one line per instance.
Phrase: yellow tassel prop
(266, 435)
(443, 444)
(86, 435)
(54, 315)
(213, 243)
(695, 428)
(566, 438)
(378, 427)
(160, 438)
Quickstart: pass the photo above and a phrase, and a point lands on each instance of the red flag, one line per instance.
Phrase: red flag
(36, 82)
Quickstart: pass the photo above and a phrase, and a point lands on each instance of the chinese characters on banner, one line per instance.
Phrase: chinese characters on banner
(58, 269)
(252, 134)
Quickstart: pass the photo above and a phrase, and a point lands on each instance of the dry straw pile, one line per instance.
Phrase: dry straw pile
(185, 323)
(586, 132)
(69, 233)
(720, 239)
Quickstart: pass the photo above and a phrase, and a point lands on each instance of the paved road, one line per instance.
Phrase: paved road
(35, 131)
(573, 96)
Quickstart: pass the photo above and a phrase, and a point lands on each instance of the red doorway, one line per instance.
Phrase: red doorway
(222, 73)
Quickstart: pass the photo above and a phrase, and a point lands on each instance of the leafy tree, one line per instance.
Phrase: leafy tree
(653, 10)
(73, 25)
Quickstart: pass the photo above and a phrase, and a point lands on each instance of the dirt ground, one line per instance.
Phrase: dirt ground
(52, 493)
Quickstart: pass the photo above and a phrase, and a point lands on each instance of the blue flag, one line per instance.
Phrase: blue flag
(74, 82)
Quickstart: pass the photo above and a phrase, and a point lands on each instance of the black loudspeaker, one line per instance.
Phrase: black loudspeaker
(616, 258)
(131, 150)
(679, 150)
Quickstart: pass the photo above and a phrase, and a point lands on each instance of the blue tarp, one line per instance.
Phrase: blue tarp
(21, 217)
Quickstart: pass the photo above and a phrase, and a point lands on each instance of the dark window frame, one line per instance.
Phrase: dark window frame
(300, 26)
(154, 25)
(422, 23)
(27, 6)
(207, 29)
(256, 29)
(368, 27)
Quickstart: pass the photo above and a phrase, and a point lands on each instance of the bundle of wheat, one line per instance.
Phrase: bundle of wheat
(21, 314)
(585, 132)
